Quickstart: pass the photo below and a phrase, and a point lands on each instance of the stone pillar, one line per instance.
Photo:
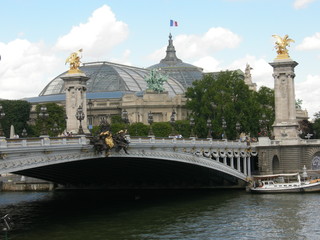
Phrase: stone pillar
(245, 165)
(238, 164)
(249, 166)
(75, 88)
(286, 124)
(232, 164)
(225, 160)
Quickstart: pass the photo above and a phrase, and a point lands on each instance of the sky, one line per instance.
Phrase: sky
(37, 36)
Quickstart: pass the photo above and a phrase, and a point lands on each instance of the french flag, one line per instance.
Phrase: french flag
(173, 23)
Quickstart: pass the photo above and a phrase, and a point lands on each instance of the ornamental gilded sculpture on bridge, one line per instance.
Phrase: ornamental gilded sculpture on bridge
(74, 61)
(281, 46)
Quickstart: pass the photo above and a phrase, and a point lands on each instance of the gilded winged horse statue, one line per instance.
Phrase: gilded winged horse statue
(281, 46)
(74, 60)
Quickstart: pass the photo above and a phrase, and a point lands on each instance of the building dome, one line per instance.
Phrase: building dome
(174, 67)
(112, 77)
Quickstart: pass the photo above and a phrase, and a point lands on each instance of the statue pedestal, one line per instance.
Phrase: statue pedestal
(75, 87)
(286, 124)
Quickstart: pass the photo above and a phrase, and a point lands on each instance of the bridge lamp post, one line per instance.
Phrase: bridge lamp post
(55, 129)
(80, 117)
(125, 118)
(150, 121)
(2, 114)
(43, 114)
(90, 119)
(209, 125)
(238, 126)
(224, 127)
(172, 122)
(24, 133)
(192, 123)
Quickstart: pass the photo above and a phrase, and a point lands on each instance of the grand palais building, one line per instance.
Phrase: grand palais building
(114, 88)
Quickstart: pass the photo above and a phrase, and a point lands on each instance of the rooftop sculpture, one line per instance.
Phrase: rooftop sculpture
(155, 81)
(281, 46)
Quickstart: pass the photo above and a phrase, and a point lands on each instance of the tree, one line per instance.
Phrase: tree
(138, 129)
(54, 124)
(265, 97)
(17, 114)
(226, 96)
(316, 125)
(182, 127)
(161, 129)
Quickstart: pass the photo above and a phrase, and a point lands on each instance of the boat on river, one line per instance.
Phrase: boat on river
(283, 183)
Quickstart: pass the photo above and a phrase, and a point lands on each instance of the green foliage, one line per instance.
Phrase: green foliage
(95, 130)
(17, 114)
(316, 125)
(182, 127)
(56, 116)
(227, 96)
(116, 127)
(161, 129)
(265, 97)
(138, 129)
(116, 119)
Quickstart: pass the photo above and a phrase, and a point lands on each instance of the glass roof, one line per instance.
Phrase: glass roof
(111, 77)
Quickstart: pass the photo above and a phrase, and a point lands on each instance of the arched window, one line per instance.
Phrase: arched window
(275, 164)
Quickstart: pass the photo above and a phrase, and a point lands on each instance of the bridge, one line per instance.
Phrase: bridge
(151, 163)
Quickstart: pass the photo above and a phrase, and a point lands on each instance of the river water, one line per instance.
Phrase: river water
(224, 214)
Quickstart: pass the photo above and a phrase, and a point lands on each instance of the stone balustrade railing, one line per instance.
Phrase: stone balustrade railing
(84, 140)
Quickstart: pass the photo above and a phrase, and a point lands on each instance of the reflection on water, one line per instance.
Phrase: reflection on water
(183, 215)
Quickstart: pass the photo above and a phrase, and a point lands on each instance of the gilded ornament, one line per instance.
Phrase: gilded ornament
(74, 61)
(281, 46)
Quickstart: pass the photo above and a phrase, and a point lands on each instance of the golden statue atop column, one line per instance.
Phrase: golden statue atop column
(281, 46)
(74, 61)
(286, 124)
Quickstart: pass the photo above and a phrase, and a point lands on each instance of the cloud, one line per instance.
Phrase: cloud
(124, 58)
(307, 91)
(97, 36)
(191, 47)
(208, 63)
(298, 4)
(310, 43)
(26, 68)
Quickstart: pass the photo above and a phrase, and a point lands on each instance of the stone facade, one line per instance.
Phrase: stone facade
(160, 104)
(280, 158)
